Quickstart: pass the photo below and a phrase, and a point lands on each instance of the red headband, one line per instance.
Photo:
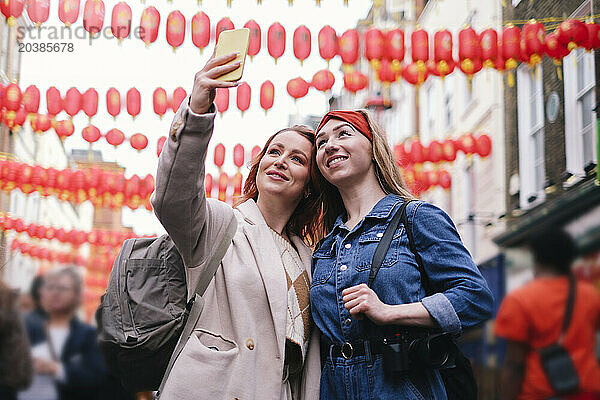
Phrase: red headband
(354, 118)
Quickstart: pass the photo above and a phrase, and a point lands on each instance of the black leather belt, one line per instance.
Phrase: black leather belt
(348, 350)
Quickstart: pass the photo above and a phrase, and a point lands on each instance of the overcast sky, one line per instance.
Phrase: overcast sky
(105, 63)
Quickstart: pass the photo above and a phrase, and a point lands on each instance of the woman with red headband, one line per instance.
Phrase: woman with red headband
(387, 321)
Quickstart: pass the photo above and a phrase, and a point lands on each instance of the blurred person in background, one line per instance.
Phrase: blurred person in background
(29, 302)
(66, 360)
(531, 318)
(15, 363)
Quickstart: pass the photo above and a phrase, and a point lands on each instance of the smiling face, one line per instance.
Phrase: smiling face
(284, 170)
(344, 155)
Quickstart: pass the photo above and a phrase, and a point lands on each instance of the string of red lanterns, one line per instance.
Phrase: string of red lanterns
(102, 188)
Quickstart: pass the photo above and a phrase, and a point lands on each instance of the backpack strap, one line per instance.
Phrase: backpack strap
(568, 308)
(197, 302)
(413, 248)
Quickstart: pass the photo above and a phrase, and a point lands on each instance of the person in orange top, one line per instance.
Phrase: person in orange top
(531, 317)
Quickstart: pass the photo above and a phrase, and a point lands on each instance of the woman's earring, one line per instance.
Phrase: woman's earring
(306, 194)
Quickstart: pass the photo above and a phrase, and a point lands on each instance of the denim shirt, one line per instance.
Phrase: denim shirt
(344, 257)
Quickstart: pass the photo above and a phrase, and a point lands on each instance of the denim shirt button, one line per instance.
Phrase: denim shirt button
(348, 245)
(347, 322)
(343, 267)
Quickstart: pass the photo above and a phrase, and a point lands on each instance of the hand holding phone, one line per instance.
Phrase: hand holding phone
(207, 80)
(233, 41)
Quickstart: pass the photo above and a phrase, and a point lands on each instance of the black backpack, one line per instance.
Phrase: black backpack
(144, 319)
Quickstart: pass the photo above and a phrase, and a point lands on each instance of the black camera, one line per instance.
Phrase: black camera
(430, 351)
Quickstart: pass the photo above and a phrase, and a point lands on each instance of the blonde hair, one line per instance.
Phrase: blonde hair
(387, 173)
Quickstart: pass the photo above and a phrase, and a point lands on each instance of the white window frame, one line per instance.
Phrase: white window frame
(574, 146)
(527, 128)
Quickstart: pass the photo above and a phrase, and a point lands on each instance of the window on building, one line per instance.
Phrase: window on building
(580, 95)
(530, 115)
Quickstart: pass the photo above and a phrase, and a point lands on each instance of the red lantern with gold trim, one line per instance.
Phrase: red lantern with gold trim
(593, 41)
(38, 11)
(374, 46)
(556, 50)
(113, 102)
(138, 141)
(436, 152)
(385, 73)
(175, 29)
(355, 81)
(297, 88)
(160, 102)
(12, 97)
(12, 9)
(532, 46)
(348, 46)
(68, 11)
(41, 123)
(238, 155)
(328, 42)
(323, 80)
(255, 38)
(267, 95)
(223, 25)
(394, 48)
(442, 51)
(160, 144)
(243, 97)
(91, 134)
(179, 94)
(93, 16)
(134, 102)
(219, 155)
(89, 102)
(416, 152)
(200, 30)
(72, 102)
(237, 181)
(444, 179)
(572, 33)
(149, 24)
(413, 75)
(466, 144)
(276, 40)
(54, 102)
(64, 129)
(120, 25)
(489, 47)
(483, 145)
(31, 99)
(400, 155)
(254, 152)
(420, 47)
(511, 49)
(448, 150)
(115, 137)
(208, 185)
(469, 51)
(20, 117)
(222, 186)
(302, 43)
(222, 100)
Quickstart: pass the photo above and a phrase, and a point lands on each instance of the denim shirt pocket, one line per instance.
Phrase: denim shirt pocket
(324, 263)
(367, 244)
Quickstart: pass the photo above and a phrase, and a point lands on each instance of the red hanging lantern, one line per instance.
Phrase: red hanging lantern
(402, 158)
(222, 100)
(254, 153)
(469, 51)
(134, 101)
(489, 47)
(532, 42)
(323, 80)
(436, 151)
(38, 11)
(301, 43)
(12, 9)
(355, 81)
(237, 181)
(413, 75)
(556, 50)
(12, 97)
(31, 99)
(276, 40)
(223, 183)
(254, 44)
(328, 42)
(238, 155)
(572, 33)
(20, 117)
(483, 145)
(267, 95)
(113, 102)
(93, 16)
(440, 69)
(175, 29)
(219, 155)
(442, 52)
(64, 129)
(159, 101)
(394, 47)
(149, 24)
(444, 179)
(593, 41)
(348, 46)
(160, 144)
(120, 25)
(208, 185)
(89, 102)
(91, 134)
(466, 144)
(179, 95)
(68, 11)
(224, 24)
(138, 141)
(200, 30)
(115, 137)
(420, 49)
(53, 101)
(449, 150)
(374, 46)
(41, 123)
(297, 88)
(511, 49)
(416, 152)
(243, 97)
(385, 73)
(72, 102)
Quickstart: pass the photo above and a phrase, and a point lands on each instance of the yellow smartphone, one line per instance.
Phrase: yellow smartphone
(231, 41)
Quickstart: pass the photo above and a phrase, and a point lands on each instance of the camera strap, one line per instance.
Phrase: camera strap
(568, 308)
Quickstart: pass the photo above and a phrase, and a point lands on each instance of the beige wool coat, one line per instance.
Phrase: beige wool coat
(244, 315)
